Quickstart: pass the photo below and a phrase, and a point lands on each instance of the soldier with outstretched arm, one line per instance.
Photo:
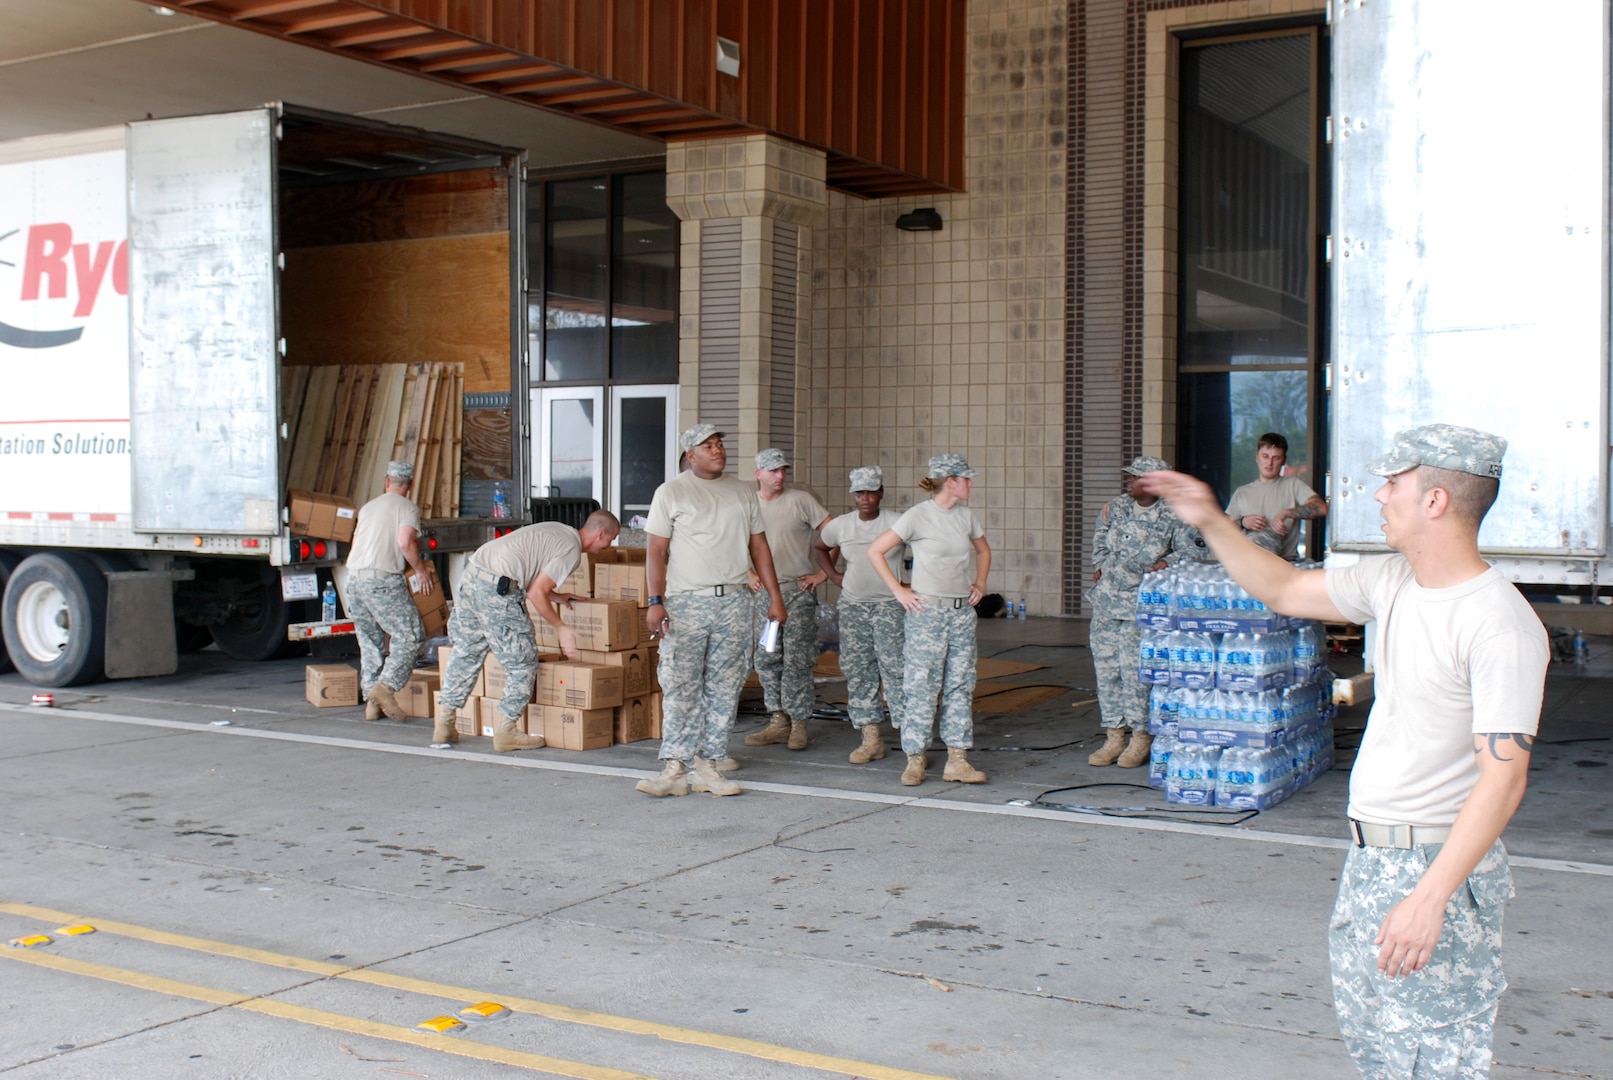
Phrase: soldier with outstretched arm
(1415, 939)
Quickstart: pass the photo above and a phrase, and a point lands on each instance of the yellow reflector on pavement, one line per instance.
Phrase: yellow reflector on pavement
(440, 1025)
(75, 931)
(32, 941)
(483, 1010)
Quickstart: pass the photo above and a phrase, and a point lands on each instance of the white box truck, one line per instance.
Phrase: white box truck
(156, 280)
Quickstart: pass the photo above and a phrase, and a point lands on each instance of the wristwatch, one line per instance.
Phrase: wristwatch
(653, 601)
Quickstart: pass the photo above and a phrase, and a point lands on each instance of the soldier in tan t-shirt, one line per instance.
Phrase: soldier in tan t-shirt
(1271, 510)
(378, 600)
(793, 519)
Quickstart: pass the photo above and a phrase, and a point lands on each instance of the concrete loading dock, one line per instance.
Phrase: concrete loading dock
(826, 914)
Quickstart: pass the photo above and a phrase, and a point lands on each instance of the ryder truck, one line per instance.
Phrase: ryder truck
(156, 282)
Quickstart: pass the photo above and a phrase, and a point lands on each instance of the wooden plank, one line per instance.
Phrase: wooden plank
(459, 441)
(427, 392)
(425, 487)
(327, 458)
(380, 430)
(415, 403)
(364, 379)
(434, 442)
(315, 427)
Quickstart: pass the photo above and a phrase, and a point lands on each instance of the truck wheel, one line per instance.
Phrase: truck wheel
(8, 563)
(54, 619)
(256, 628)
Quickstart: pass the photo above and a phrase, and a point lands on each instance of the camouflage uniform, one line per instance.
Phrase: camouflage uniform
(939, 659)
(482, 621)
(786, 673)
(1436, 1022)
(704, 660)
(381, 607)
(871, 643)
(1128, 541)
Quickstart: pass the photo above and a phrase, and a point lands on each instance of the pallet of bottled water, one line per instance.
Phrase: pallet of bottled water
(1202, 597)
(1239, 777)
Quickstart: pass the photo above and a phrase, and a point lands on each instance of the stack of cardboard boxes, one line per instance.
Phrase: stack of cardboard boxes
(609, 693)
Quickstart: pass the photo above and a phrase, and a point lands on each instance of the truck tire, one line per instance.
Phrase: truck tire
(8, 563)
(54, 619)
(257, 628)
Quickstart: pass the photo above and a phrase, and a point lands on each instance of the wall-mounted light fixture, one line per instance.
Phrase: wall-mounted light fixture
(727, 57)
(924, 219)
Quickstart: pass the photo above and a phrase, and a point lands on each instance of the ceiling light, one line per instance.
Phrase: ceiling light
(155, 10)
(925, 219)
(728, 57)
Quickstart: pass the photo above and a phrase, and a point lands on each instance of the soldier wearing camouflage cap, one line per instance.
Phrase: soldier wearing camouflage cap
(705, 533)
(385, 619)
(792, 518)
(1444, 762)
(871, 620)
(1135, 534)
(951, 561)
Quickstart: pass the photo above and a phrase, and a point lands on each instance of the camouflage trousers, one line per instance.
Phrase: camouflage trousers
(483, 622)
(381, 607)
(786, 674)
(704, 660)
(938, 661)
(1122, 700)
(871, 637)
(1437, 1022)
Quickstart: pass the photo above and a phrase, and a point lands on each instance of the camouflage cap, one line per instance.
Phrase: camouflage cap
(867, 478)
(1443, 446)
(771, 458)
(400, 470)
(1140, 465)
(697, 435)
(942, 465)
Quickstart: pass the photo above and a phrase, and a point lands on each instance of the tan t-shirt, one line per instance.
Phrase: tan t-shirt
(1268, 499)
(943, 547)
(791, 519)
(709, 524)
(1451, 663)
(545, 548)
(375, 537)
(852, 535)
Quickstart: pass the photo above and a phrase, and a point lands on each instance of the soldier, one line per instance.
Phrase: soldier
(950, 562)
(1136, 534)
(1461, 666)
(792, 518)
(705, 532)
(1271, 508)
(378, 600)
(490, 615)
(871, 619)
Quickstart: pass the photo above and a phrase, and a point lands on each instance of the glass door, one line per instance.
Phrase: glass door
(645, 452)
(569, 442)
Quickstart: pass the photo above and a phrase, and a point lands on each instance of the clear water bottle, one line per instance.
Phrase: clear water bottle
(1021, 609)
(501, 501)
(1582, 649)
(1307, 655)
(327, 603)
(1159, 760)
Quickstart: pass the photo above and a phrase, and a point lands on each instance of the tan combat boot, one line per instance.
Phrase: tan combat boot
(959, 770)
(798, 735)
(705, 777)
(913, 775)
(442, 725)
(387, 700)
(726, 764)
(1114, 744)
(1137, 750)
(672, 780)
(872, 749)
(372, 708)
(507, 738)
(776, 731)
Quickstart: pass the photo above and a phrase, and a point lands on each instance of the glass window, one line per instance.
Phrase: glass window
(576, 279)
(644, 281)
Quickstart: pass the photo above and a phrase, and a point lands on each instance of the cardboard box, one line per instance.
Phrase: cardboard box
(638, 718)
(580, 582)
(433, 608)
(326, 517)
(444, 655)
(638, 669)
(579, 686)
(468, 719)
(418, 696)
(604, 625)
(567, 728)
(494, 678)
(331, 686)
(622, 581)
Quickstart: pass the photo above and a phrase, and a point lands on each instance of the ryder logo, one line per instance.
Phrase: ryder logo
(52, 267)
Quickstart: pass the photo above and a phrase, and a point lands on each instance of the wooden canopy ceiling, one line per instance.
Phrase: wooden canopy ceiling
(876, 84)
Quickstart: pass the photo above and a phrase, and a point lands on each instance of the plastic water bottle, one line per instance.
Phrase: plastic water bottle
(1159, 759)
(1307, 656)
(327, 603)
(1582, 650)
(501, 501)
(1021, 609)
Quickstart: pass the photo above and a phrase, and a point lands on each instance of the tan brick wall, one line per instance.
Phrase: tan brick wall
(954, 341)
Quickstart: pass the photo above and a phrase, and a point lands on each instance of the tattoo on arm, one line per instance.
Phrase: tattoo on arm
(1494, 739)
(1314, 509)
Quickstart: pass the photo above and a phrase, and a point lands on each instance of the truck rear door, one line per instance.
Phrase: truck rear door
(204, 324)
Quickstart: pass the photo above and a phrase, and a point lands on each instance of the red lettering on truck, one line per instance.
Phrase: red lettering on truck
(46, 265)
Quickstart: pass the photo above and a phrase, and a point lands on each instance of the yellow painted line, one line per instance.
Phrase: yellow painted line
(351, 1025)
(784, 1055)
